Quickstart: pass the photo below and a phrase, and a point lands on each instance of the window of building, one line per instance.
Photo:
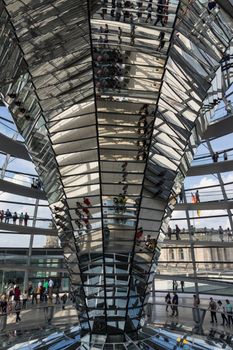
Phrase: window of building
(181, 251)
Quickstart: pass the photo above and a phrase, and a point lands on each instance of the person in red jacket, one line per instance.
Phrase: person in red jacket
(17, 293)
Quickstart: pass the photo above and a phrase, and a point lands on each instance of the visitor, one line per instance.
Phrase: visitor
(169, 232)
(175, 302)
(182, 286)
(159, 17)
(197, 196)
(106, 30)
(177, 232)
(57, 297)
(21, 217)
(174, 285)
(149, 13)
(220, 233)
(229, 234)
(229, 311)
(26, 217)
(3, 309)
(168, 301)
(51, 285)
(215, 157)
(25, 299)
(34, 295)
(181, 196)
(17, 293)
(17, 311)
(7, 216)
(225, 155)
(211, 5)
(221, 309)
(64, 300)
(33, 185)
(192, 230)
(1, 215)
(42, 293)
(196, 301)
(15, 217)
(213, 307)
(161, 41)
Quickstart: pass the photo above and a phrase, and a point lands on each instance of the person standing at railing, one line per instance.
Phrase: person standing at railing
(215, 157)
(7, 216)
(197, 196)
(225, 155)
(196, 301)
(21, 219)
(222, 310)
(213, 307)
(1, 215)
(229, 234)
(220, 233)
(15, 217)
(177, 232)
(229, 311)
(26, 217)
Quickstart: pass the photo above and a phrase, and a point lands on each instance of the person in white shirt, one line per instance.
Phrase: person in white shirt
(222, 310)
(51, 284)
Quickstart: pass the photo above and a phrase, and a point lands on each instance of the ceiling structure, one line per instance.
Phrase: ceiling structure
(112, 108)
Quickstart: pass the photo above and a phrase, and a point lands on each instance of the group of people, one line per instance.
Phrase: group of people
(109, 68)
(225, 310)
(128, 11)
(215, 156)
(175, 285)
(224, 235)
(195, 198)
(13, 300)
(172, 303)
(104, 34)
(36, 183)
(6, 216)
(145, 127)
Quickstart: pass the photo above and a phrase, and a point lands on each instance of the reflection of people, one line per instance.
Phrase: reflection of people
(150, 243)
(197, 197)
(174, 285)
(106, 235)
(215, 157)
(225, 155)
(175, 302)
(182, 285)
(161, 40)
(168, 301)
(169, 232)
(220, 233)
(211, 5)
(177, 232)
